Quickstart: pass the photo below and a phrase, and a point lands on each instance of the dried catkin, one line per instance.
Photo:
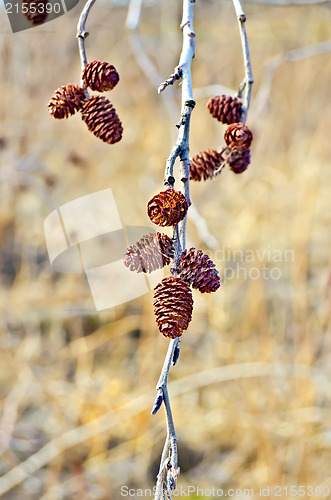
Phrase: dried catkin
(151, 252)
(167, 208)
(173, 306)
(101, 119)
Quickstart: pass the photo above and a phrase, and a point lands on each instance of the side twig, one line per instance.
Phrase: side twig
(82, 34)
(176, 75)
(245, 88)
(169, 470)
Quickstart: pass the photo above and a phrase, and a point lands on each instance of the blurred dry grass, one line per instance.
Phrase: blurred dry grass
(263, 419)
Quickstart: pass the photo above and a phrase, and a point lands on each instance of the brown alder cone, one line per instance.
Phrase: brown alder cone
(101, 119)
(238, 137)
(225, 109)
(100, 76)
(66, 100)
(36, 10)
(204, 164)
(198, 270)
(173, 306)
(167, 208)
(238, 161)
(151, 252)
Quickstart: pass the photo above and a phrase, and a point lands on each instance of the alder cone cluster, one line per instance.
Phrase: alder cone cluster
(173, 306)
(225, 109)
(35, 10)
(66, 100)
(151, 252)
(204, 164)
(101, 119)
(238, 137)
(238, 161)
(198, 270)
(100, 76)
(167, 208)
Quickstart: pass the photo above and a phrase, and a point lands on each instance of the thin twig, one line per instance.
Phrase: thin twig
(220, 168)
(168, 471)
(176, 75)
(245, 89)
(82, 34)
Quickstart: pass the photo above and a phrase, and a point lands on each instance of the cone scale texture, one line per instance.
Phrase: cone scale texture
(238, 137)
(173, 306)
(100, 76)
(167, 208)
(238, 161)
(66, 100)
(204, 164)
(101, 119)
(151, 252)
(198, 270)
(225, 109)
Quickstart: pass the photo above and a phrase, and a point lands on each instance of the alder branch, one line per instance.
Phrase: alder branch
(169, 470)
(82, 34)
(245, 89)
(150, 70)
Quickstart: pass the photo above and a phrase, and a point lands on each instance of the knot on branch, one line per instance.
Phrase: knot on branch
(190, 103)
(169, 181)
(82, 34)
